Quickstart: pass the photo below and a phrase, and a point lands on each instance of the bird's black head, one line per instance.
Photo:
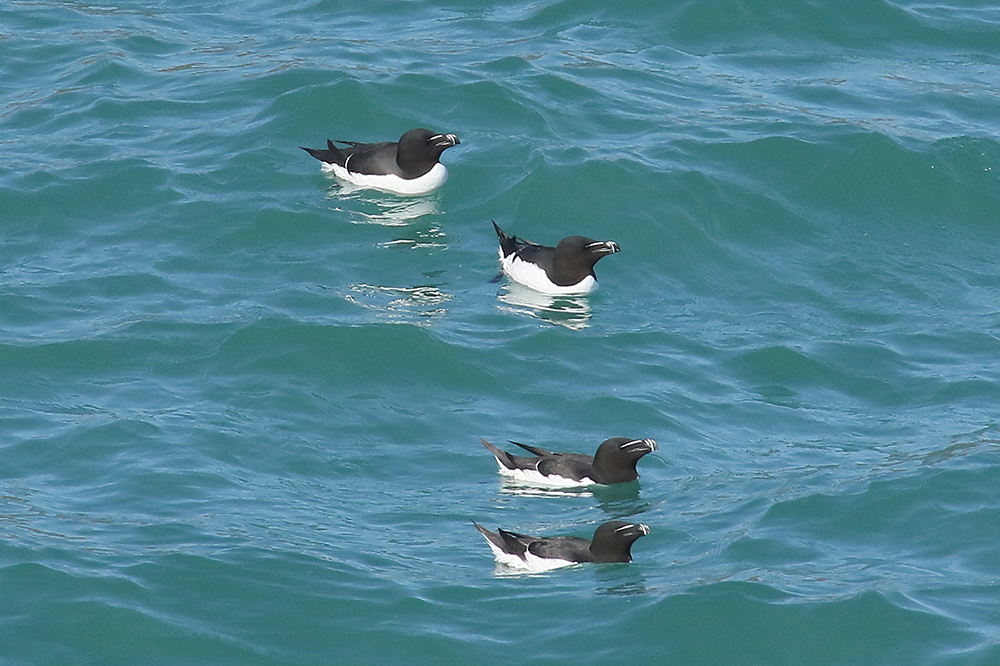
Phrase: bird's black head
(615, 459)
(588, 246)
(575, 257)
(419, 149)
(423, 143)
(613, 540)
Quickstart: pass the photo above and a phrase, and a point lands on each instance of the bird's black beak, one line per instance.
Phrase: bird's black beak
(444, 140)
(643, 530)
(644, 445)
(604, 247)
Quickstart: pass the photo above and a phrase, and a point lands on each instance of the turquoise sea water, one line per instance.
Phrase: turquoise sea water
(241, 406)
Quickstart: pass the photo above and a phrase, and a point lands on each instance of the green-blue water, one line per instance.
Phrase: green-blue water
(241, 409)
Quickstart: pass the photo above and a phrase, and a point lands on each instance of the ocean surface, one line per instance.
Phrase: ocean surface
(240, 404)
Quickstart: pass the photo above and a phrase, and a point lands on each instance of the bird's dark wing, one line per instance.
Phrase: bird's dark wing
(508, 460)
(542, 255)
(331, 154)
(514, 543)
(371, 158)
(572, 549)
(496, 539)
(532, 449)
(574, 466)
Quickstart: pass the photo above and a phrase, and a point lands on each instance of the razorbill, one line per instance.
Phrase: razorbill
(612, 543)
(567, 268)
(614, 462)
(409, 166)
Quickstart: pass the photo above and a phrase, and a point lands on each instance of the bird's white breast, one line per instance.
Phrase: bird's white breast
(431, 180)
(530, 564)
(532, 477)
(533, 275)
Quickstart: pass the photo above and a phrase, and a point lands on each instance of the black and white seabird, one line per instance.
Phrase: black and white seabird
(409, 166)
(567, 268)
(612, 543)
(614, 462)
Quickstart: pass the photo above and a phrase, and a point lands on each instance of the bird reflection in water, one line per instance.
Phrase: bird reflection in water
(388, 210)
(573, 312)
